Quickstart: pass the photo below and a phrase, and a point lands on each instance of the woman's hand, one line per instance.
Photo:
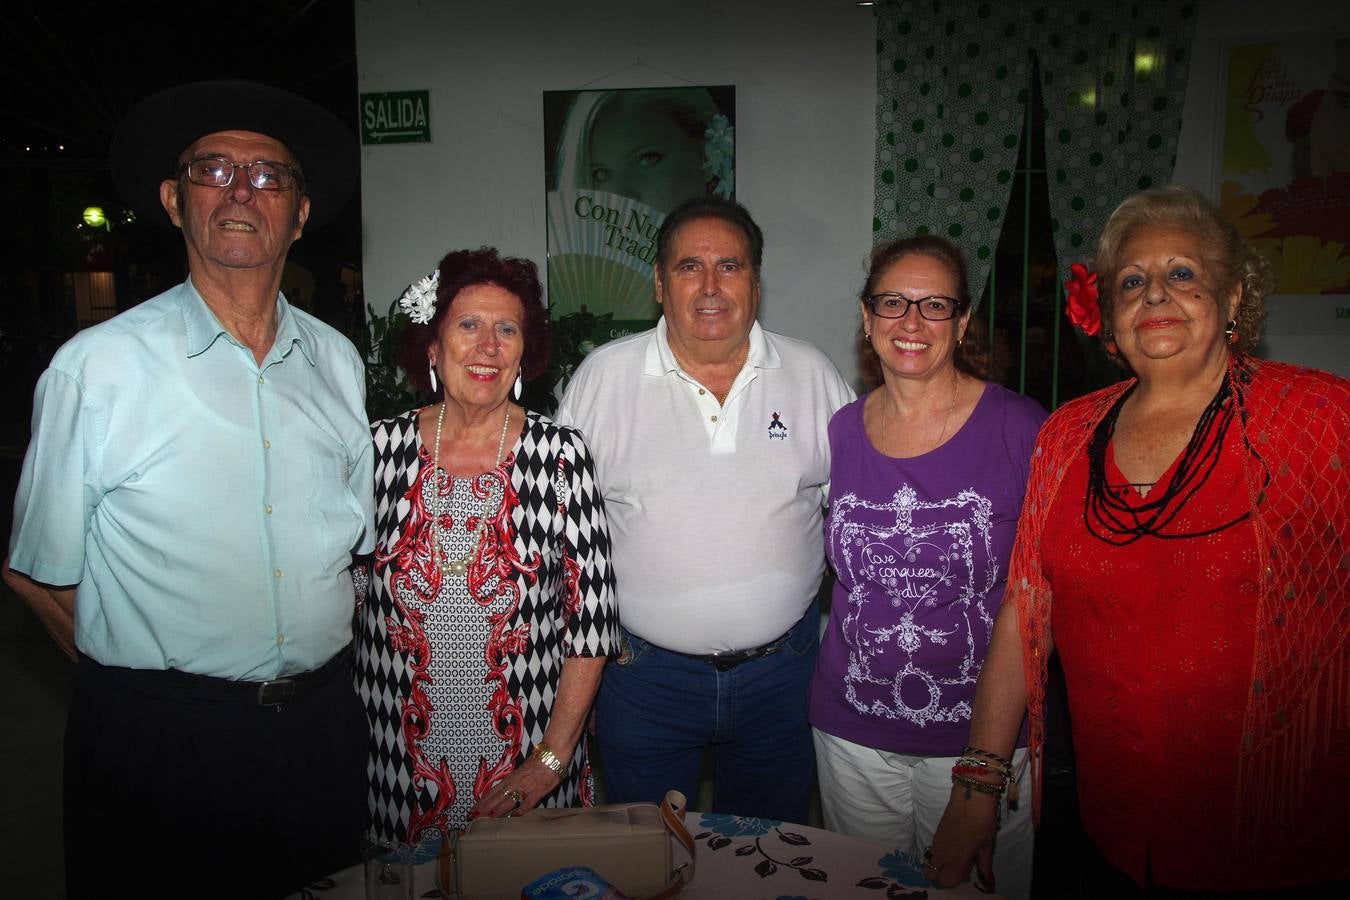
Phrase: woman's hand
(965, 835)
(532, 779)
(966, 832)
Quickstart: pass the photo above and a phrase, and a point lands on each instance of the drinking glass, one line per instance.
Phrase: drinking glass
(389, 871)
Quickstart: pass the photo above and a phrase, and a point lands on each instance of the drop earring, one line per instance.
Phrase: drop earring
(518, 388)
(431, 370)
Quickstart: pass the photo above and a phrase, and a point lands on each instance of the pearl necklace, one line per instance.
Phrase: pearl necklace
(438, 558)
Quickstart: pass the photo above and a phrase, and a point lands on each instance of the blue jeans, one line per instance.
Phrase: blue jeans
(658, 711)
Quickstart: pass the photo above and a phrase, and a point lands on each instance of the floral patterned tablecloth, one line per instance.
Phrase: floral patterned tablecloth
(751, 859)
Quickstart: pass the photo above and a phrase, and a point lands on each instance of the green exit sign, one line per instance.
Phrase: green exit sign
(398, 117)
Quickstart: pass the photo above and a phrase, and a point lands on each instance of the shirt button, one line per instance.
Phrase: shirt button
(714, 418)
(268, 509)
(281, 639)
(276, 573)
(261, 380)
(701, 392)
(267, 445)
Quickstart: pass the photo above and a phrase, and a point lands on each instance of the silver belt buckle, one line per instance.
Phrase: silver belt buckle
(276, 693)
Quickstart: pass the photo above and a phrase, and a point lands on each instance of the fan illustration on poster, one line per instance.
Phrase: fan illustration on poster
(616, 162)
(1284, 170)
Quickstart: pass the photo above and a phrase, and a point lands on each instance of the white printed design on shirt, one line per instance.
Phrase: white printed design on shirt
(936, 556)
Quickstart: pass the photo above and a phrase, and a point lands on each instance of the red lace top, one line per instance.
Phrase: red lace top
(1208, 681)
(1157, 660)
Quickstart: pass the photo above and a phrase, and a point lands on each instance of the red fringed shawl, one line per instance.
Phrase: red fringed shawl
(1296, 423)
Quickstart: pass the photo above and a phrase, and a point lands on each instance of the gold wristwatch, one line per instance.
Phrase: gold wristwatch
(545, 755)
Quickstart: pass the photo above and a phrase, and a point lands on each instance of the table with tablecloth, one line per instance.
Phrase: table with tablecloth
(748, 859)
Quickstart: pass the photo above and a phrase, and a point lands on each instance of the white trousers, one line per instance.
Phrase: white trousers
(897, 801)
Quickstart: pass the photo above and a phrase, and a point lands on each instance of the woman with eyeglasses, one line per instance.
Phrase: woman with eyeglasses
(927, 475)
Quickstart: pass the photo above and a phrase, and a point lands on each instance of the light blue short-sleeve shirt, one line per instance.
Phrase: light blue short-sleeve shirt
(206, 507)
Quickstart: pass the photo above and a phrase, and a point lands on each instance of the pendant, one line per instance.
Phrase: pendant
(458, 566)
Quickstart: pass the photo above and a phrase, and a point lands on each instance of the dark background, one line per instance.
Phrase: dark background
(70, 70)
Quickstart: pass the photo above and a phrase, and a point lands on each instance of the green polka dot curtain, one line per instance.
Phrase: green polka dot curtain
(952, 81)
(1113, 77)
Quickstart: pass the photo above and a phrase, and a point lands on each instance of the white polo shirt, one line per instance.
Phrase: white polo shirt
(715, 511)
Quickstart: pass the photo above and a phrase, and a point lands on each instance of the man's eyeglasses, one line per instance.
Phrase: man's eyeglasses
(264, 175)
(934, 308)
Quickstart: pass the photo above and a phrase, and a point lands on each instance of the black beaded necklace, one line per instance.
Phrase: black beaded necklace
(1110, 519)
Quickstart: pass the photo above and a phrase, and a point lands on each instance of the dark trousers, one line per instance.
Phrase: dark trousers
(180, 786)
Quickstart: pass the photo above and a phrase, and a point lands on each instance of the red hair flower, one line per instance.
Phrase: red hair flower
(1082, 308)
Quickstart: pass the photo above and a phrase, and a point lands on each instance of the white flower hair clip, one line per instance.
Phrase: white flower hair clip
(419, 300)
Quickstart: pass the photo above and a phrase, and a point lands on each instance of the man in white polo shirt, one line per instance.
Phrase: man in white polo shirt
(709, 435)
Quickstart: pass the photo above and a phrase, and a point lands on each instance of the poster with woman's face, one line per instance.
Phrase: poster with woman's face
(1284, 171)
(616, 162)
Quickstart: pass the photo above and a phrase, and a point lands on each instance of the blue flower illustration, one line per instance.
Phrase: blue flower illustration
(737, 826)
(902, 868)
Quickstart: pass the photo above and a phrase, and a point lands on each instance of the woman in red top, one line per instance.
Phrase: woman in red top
(1197, 554)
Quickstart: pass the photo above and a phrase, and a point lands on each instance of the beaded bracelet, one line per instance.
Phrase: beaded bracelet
(973, 784)
(975, 771)
(976, 751)
(1005, 771)
(995, 791)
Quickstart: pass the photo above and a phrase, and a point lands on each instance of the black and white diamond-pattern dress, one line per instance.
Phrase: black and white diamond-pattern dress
(458, 672)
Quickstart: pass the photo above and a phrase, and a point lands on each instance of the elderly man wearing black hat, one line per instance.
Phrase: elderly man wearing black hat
(198, 480)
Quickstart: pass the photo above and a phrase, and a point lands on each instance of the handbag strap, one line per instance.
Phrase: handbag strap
(672, 816)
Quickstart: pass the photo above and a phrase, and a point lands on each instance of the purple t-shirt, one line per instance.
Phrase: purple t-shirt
(920, 547)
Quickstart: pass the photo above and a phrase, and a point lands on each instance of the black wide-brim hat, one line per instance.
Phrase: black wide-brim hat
(153, 135)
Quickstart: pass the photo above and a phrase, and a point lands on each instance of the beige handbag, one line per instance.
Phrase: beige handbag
(628, 844)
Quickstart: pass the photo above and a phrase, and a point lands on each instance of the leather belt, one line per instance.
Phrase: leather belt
(730, 659)
(276, 692)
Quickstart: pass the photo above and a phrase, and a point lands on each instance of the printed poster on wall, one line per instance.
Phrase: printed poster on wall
(616, 162)
(1284, 171)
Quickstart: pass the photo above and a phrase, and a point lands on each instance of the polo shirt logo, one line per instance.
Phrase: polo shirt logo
(777, 430)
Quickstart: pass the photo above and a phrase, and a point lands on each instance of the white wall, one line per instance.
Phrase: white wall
(1288, 337)
(804, 71)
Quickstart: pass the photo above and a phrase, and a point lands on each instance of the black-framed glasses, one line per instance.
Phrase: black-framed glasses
(934, 307)
(263, 174)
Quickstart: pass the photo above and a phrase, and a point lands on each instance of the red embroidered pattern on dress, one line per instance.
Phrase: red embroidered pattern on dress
(497, 556)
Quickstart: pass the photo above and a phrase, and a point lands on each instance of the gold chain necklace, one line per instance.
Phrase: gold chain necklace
(438, 558)
(722, 397)
(946, 420)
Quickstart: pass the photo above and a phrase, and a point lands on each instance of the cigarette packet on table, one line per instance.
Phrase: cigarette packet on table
(569, 883)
